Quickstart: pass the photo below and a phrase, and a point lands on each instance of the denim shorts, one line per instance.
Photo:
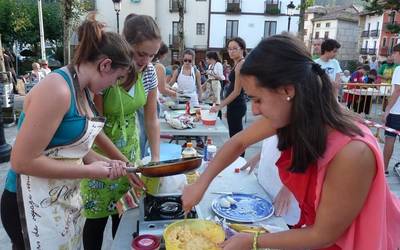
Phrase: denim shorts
(392, 121)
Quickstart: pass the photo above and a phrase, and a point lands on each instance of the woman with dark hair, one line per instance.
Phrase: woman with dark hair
(188, 78)
(215, 75)
(235, 100)
(163, 86)
(202, 67)
(325, 150)
(52, 151)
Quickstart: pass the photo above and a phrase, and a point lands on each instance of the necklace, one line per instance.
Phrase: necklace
(234, 66)
(79, 92)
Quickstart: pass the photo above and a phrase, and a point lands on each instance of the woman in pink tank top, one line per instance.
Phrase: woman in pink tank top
(330, 161)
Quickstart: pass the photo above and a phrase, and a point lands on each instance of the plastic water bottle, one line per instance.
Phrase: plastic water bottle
(211, 151)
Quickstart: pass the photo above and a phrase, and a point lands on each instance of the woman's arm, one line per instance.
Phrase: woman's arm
(174, 77)
(233, 148)
(160, 71)
(198, 84)
(343, 196)
(236, 90)
(44, 110)
(151, 124)
(102, 140)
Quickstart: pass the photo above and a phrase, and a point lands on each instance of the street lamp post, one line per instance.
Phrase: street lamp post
(117, 8)
(290, 9)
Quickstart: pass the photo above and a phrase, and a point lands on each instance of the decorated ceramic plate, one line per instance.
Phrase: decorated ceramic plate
(242, 207)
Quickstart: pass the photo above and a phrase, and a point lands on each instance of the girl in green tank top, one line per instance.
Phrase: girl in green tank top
(119, 105)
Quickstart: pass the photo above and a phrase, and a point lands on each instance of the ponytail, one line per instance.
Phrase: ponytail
(95, 43)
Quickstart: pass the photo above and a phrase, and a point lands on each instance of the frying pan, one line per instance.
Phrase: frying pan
(166, 168)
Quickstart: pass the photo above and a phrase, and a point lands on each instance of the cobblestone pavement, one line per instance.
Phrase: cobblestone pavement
(10, 134)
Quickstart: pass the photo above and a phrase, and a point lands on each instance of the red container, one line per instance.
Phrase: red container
(209, 122)
(146, 242)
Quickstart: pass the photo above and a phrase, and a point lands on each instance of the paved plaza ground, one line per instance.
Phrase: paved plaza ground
(10, 133)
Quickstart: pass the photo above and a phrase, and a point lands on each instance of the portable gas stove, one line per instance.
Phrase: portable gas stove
(157, 212)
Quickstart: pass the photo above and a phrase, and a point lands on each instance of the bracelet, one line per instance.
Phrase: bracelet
(255, 238)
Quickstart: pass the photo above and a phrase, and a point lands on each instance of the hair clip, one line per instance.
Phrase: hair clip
(317, 69)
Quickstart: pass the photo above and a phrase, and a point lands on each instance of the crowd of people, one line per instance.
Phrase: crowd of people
(82, 123)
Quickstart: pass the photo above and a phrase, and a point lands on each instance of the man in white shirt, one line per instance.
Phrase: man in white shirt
(329, 49)
(392, 113)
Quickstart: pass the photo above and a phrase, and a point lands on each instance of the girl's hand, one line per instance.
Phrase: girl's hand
(282, 201)
(240, 241)
(98, 170)
(252, 164)
(214, 109)
(135, 181)
(117, 169)
(192, 194)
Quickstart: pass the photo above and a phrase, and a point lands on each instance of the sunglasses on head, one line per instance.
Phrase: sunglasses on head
(187, 60)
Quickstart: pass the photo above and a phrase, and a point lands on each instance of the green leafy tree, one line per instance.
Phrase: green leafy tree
(72, 10)
(19, 22)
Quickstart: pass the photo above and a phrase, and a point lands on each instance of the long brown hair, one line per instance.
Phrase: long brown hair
(95, 43)
(282, 60)
(138, 29)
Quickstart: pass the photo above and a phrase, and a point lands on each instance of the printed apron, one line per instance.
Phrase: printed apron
(100, 196)
(187, 84)
(51, 208)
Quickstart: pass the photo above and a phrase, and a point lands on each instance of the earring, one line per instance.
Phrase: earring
(288, 98)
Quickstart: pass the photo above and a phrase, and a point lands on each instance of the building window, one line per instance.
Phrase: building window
(374, 44)
(326, 35)
(392, 17)
(369, 26)
(316, 35)
(173, 5)
(200, 28)
(392, 43)
(175, 28)
(377, 26)
(366, 44)
(232, 27)
(174, 38)
(269, 28)
(328, 25)
(174, 56)
(384, 42)
(318, 25)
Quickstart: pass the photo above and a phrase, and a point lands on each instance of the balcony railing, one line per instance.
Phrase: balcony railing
(371, 51)
(173, 5)
(233, 7)
(363, 51)
(273, 7)
(375, 33)
(365, 33)
(173, 41)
